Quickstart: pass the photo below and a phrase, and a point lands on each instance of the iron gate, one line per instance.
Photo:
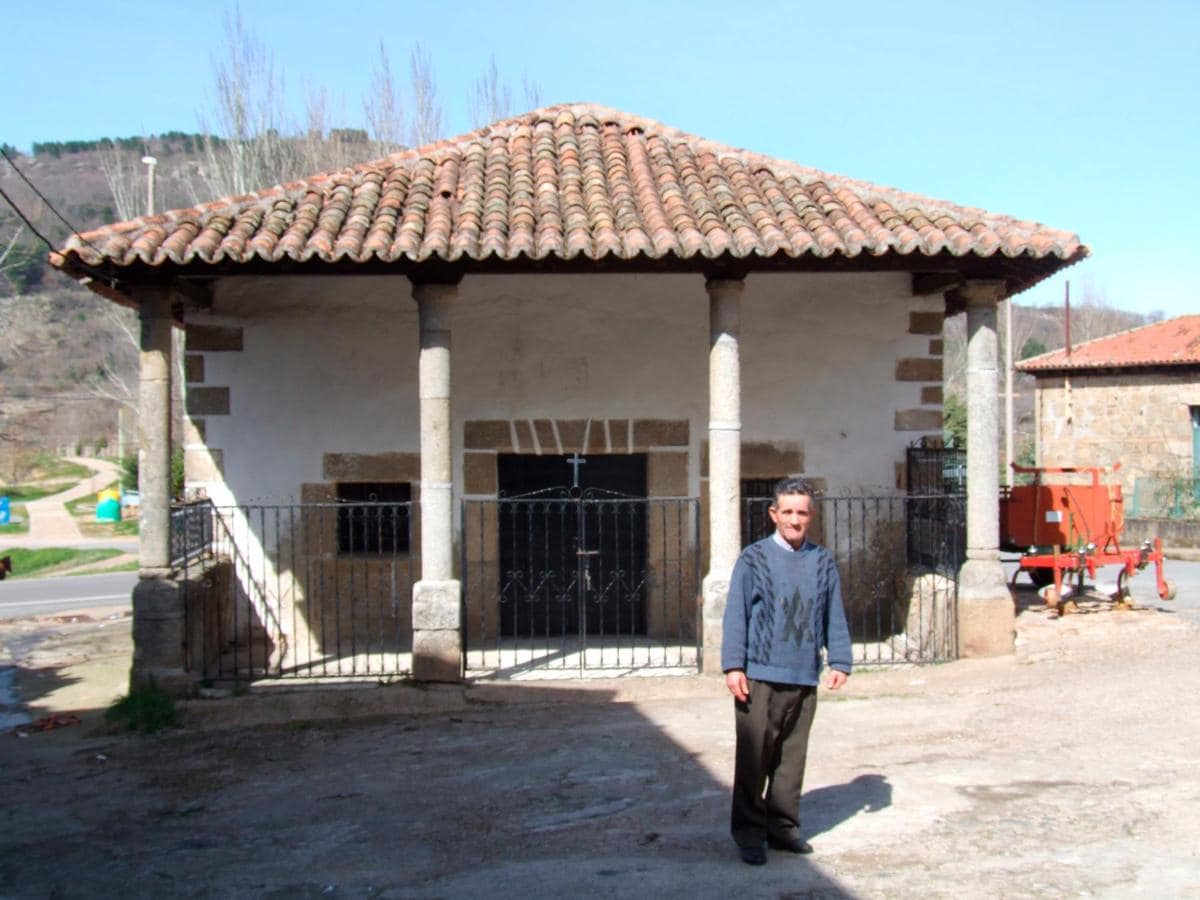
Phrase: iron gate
(580, 580)
(317, 590)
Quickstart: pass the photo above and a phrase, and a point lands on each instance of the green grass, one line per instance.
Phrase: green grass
(50, 560)
(48, 466)
(83, 509)
(19, 520)
(23, 493)
(93, 529)
(145, 710)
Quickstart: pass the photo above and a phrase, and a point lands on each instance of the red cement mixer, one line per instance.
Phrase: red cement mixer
(1068, 529)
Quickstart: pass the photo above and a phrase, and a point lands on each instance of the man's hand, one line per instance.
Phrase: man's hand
(735, 680)
(836, 679)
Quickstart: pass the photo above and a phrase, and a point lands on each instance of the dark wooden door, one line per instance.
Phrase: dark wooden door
(572, 544)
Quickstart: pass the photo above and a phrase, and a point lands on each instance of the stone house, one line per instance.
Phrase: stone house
(1131, 398)
(627, 310)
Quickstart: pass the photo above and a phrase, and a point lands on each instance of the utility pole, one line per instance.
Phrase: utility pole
(150, 162)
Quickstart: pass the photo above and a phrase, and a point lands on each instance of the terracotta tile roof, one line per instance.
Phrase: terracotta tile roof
(570, 182)
(1175, 342)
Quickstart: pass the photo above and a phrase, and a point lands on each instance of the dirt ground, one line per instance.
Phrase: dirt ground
(1069, 769)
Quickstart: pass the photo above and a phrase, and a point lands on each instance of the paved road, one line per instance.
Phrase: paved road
(46, 596)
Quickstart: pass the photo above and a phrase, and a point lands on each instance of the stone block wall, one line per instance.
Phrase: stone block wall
(1141, 420)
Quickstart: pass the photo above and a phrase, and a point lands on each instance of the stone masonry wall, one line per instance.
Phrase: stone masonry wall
(1141, 421)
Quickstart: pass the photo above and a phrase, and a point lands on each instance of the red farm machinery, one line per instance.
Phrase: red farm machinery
(1070, 525)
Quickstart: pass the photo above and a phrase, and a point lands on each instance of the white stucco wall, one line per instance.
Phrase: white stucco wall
(329, 365)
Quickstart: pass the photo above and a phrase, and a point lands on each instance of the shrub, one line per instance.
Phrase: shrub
(145, 710)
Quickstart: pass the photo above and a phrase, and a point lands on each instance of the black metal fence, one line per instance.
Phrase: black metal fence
(580, 583)
(550, 585)
(191, 531)
(899, 588)
(298, 591)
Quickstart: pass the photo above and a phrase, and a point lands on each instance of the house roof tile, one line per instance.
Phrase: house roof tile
(1175, 342)
(566, 182)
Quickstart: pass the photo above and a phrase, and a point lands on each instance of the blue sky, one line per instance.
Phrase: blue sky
(1081, 115)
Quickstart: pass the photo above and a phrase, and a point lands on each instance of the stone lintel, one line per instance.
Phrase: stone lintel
(487, 434)
(547, 442)
(570, 434)
(764, 459)
(390, 466)
(660, 433)
(524, 436)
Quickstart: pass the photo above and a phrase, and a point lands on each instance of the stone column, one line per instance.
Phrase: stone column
(158, 614)
(985, 605)
(437, 597)
(724, 459)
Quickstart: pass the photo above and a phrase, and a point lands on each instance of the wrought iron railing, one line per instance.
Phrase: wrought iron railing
(578, 583)
(297, 591)
(898, 557)
(191, 531)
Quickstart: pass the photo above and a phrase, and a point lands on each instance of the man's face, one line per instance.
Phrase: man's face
(791, 514)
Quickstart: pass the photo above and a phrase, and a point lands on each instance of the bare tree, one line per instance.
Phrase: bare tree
(1094, 316)
(427, 111)
(8, 245)
(385, 115)
(490, 100)
(122, 171)
(249, 116)
(533, 93)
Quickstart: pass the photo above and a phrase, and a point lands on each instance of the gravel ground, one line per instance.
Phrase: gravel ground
(1068, 769)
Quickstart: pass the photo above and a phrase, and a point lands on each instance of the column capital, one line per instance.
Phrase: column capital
(982, 291)
(724, 284)
(434, 300)
(153, 300)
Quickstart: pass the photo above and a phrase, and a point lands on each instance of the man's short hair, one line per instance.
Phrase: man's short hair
(793, 486)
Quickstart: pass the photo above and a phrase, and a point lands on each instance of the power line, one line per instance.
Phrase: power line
(94, 272)
(33, 187)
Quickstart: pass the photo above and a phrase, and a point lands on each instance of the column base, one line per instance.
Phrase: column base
(158, 638)
(714, 591)
(437, 631)
(986, 612)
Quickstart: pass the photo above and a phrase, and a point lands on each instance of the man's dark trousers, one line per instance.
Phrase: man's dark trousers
(772, 745)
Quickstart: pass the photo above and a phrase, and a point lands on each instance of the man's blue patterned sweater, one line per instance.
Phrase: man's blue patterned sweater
(785, 605)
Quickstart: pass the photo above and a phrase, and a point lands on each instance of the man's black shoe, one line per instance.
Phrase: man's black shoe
(791, 845)
(753, 856)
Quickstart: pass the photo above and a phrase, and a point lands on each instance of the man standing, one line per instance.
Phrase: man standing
(784, 607)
